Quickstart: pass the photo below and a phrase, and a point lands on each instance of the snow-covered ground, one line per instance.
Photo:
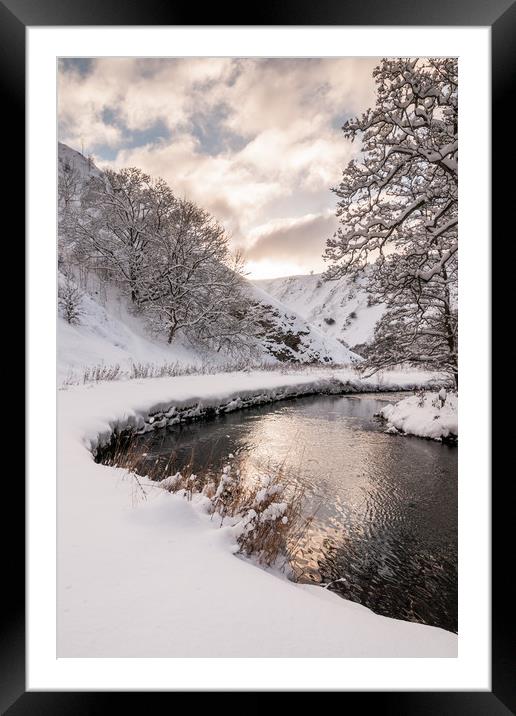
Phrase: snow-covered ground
(430, 415)
(150, 575)
(339, 309)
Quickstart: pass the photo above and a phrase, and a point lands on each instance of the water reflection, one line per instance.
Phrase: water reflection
(385, 506)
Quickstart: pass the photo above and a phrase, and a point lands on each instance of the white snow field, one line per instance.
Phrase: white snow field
(433, 415)
(151, 576)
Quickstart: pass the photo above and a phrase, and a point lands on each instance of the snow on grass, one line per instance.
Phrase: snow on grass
(142, 572)
(428, 415)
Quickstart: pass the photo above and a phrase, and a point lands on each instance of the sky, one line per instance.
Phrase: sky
(257, 142)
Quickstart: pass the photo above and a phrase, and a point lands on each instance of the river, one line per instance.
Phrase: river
(384, 506)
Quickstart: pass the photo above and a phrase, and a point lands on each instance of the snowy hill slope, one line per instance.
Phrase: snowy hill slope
(108, 333)
(68, 158)
(338, 309)
(293, 338)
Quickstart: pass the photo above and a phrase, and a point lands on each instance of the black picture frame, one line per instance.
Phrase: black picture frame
(500, 16)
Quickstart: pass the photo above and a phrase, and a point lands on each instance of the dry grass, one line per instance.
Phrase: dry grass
(94, 374)
(271, 521)
(154, 370)
(101, 372)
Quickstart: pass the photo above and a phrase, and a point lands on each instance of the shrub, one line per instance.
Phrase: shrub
(70, 302)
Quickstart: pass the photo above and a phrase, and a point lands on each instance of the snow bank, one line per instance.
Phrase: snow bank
(142, 572)
(432, 415)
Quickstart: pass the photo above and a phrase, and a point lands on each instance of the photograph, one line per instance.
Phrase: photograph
(245, 319)
(257, 363)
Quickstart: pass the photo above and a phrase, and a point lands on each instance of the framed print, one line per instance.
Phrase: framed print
(253, 281)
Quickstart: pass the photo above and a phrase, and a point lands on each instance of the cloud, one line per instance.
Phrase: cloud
(140, 92)
(230, 189)
(255, 141)
(297, 237)
(272, 93)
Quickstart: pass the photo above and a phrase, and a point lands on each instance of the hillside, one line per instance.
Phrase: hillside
(338, 309)
(68, 158)
(108, 333)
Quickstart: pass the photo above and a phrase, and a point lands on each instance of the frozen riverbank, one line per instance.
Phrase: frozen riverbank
(142, 572)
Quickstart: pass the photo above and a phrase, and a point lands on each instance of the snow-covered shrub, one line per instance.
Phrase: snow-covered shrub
(351, 317)
(227, 497)
(264, 513)
(171, 482)
(271, 515)
(70, 301)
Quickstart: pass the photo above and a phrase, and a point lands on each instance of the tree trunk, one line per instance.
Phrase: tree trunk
(451, 337)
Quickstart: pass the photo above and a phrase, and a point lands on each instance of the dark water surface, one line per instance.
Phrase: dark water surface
(385, 506)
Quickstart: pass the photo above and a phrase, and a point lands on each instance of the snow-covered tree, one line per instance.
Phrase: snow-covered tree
(195, 285)
(68, 185)
(398, 208)
(121, 215)
(170, 257)
(419, 326)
